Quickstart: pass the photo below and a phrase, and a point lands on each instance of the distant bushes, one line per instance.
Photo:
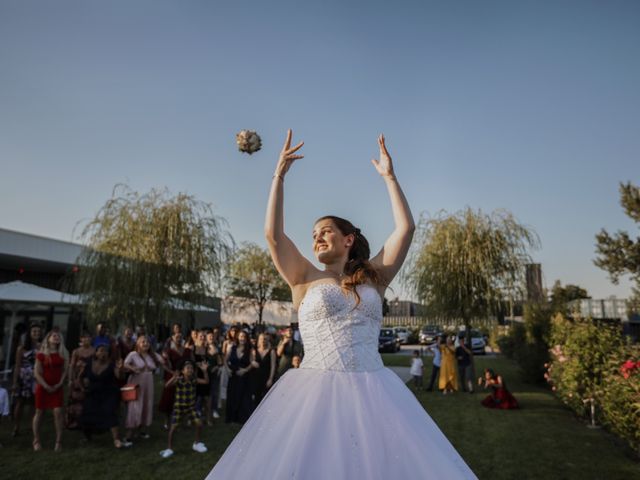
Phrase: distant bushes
(528, 342)
(585, 362)
(591, 362)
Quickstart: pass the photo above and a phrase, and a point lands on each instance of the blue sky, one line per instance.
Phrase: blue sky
(529, 106)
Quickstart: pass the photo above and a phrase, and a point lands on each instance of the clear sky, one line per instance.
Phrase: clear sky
(529, 106)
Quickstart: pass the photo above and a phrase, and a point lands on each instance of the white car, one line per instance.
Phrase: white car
(403, 334)
(478, 343)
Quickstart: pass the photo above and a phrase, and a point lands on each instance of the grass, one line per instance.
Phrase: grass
(98, 459)
(396, 360)
(542, 440)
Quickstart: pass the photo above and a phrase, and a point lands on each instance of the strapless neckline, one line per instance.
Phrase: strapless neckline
(330, 284)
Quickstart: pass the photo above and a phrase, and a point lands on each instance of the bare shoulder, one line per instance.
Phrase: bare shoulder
(298, 292)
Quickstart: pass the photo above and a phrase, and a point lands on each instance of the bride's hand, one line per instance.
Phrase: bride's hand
(287, 156)
(384, 166)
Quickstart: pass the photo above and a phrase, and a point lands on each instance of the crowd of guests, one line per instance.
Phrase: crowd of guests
(108, 379)
(453, 370)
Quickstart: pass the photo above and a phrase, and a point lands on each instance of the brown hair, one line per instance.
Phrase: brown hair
(358, 269)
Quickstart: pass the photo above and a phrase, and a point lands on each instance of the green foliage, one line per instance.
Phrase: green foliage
(254, 281)
(464, 265)
(528, 342)
(619, 254)
(496, 332)
(561, 296)
(534, 352)
(414, 336)
(592, 360)
(633, 303)
(620, 399)
(509, 343)
(149, 254)
(581, 350)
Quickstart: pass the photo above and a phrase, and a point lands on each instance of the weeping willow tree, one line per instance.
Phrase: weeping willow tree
(148, 255)
(254, 281)
(463, 266)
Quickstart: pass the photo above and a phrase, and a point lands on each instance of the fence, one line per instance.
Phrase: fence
(445, 323)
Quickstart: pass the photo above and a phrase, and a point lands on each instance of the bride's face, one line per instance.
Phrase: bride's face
(329, 244)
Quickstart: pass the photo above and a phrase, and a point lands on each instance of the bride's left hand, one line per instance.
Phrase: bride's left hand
(384, 166)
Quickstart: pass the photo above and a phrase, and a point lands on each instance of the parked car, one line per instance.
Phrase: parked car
(402, 333)
(388, 341)
(429, 333)
(478, 342)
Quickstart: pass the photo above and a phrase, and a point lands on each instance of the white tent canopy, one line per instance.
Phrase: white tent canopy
(21, 295)
(20, 292)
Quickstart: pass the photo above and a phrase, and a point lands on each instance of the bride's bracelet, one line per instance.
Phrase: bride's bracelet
(276, 175)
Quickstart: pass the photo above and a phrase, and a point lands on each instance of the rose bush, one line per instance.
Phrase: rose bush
(591, 360)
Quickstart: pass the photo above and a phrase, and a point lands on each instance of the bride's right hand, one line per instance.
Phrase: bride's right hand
(287, 156)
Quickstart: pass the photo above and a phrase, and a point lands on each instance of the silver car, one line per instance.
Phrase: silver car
(429, 334)
(403, 334)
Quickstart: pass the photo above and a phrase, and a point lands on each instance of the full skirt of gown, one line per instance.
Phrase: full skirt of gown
(318, 424)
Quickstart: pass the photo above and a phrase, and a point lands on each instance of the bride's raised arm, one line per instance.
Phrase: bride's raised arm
(291, 264)
(389, 260)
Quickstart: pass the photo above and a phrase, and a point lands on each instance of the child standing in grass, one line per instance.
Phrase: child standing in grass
(184, 406)
(416, 369)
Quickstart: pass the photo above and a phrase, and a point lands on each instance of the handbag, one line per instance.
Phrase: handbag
(129, 392)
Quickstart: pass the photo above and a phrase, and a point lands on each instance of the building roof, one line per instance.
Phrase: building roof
(27, 250)
(20, 292)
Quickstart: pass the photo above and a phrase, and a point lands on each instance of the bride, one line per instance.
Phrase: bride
(341, 415)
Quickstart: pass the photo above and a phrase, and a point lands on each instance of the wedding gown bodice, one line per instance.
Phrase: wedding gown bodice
(338, 335)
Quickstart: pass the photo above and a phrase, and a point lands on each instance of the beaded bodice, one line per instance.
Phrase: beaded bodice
(337, 336)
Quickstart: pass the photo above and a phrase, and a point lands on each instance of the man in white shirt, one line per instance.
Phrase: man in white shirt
(435, 348)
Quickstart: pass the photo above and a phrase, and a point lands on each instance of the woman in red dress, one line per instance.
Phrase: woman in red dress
(50, 371)
(500, 397)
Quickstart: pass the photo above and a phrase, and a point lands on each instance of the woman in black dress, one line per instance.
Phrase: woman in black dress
(102, 397)
(265, 374)
(214, 351)
(203, 390)
(240, 359)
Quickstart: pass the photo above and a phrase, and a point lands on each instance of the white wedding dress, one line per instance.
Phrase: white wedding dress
(342, 414)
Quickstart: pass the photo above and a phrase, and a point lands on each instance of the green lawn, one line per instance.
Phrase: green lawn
(100, 460)
(542, 440)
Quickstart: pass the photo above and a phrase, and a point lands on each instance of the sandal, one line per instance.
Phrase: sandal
(58, 447)
(36, 446)
(117, 444)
